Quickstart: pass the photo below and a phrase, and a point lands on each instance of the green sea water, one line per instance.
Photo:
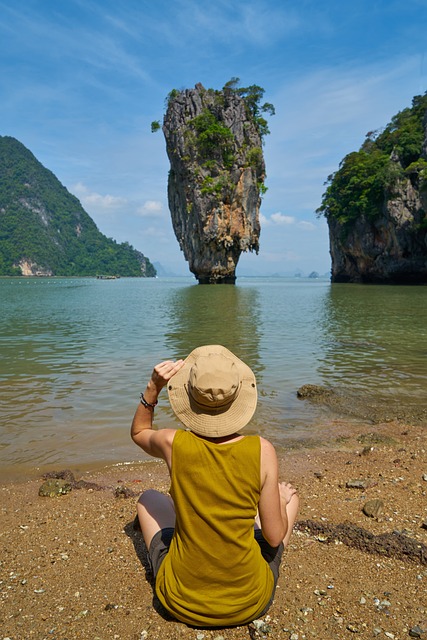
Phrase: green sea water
(76, 352)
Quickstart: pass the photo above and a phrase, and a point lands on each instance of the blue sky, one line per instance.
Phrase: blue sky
(82, 80)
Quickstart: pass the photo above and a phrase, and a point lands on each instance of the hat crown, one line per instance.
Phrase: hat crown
(214, 381)
(214, 393)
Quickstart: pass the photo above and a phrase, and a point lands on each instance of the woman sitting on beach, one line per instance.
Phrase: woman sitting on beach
(215, 544)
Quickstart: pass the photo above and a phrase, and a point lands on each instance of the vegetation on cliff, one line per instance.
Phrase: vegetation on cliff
(252, 96)
(45, 230)
(210, 141)
(367, 179)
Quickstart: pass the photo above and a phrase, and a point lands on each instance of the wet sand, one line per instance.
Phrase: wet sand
(72, 567)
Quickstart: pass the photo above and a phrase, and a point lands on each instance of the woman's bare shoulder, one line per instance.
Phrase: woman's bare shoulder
(268, 457)
(267, 447)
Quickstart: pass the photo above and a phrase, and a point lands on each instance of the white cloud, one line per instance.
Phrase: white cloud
(279, 218)
(150, 209)
(283, 220)
(91, 198)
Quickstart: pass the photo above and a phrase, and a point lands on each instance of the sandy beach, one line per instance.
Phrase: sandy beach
(72, 566)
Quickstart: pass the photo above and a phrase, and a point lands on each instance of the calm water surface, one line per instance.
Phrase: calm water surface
(75, 354)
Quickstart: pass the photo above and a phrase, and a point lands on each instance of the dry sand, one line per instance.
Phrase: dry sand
(72, 567)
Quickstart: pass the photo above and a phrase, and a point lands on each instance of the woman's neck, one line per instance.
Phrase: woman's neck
(222, 439)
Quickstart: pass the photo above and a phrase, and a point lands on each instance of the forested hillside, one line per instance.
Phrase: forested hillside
(44, 229)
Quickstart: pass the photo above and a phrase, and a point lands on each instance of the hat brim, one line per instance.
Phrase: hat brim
(218, 422)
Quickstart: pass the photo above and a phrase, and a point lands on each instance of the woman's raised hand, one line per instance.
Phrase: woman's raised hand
(164, 371)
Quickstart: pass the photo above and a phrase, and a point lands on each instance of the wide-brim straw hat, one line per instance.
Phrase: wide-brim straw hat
(214, 393)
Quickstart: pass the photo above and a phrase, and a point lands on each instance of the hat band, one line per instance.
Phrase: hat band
(209, 406)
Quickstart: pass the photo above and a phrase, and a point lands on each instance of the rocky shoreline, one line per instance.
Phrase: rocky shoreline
(73, 566)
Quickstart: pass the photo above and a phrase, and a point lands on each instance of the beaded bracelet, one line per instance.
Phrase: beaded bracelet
(148, 405)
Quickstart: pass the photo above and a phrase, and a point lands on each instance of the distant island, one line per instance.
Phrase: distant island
(376, 204)
(44, 230)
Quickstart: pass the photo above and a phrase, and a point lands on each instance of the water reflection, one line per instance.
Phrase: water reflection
(63, 359)
(226, 315)
(40, 370)
(375, 340)
(74, 354)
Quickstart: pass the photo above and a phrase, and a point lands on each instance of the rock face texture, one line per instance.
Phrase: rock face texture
(390, 248)
(217, 170)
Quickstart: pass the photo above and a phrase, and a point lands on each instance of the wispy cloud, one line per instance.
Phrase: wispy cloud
(101, 202)
(151, 209)
(307, 226)
(257, 22)
(324, 114)
(281, 220)
(94, 48)
(344, 95)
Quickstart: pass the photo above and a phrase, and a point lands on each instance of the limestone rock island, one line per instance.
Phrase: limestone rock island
(217, 171)
(376, 204)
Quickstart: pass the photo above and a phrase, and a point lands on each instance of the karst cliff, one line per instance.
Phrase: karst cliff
(391, 249)
(217, 171)
(376, 205)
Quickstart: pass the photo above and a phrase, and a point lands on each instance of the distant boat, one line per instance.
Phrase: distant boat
(107, 277)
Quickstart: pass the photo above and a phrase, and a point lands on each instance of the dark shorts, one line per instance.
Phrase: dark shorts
(159, 546)
(161, 542)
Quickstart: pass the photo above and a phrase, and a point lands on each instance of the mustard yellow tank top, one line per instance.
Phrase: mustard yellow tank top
(214, 573)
